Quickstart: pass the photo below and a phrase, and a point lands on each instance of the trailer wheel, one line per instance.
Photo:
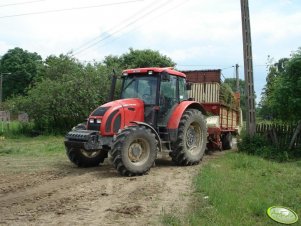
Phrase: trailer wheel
(83, 158)
(227, 141)
(134, 150)
(192, 138)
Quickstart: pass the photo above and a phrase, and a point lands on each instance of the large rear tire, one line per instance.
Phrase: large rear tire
(134, 150)
(192, 139)
(83, 158)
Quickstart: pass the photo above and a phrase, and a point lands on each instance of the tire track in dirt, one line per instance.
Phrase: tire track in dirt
(96, 196)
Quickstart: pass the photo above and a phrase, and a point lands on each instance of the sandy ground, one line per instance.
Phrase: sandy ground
(62, 194)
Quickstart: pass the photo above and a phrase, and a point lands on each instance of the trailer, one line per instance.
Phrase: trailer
(224, 120)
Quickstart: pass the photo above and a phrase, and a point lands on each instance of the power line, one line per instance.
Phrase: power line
(70, 9)
(98, 38)
(170, 9)
(96, 42)
(121, 29)
(21, 3)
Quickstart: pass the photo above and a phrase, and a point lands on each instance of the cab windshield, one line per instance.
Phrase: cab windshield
(140, 86)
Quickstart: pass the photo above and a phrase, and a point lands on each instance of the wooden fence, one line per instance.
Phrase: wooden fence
(281, 135)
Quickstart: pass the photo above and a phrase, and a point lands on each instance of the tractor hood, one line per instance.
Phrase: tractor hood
(115, 115)
(131, 102)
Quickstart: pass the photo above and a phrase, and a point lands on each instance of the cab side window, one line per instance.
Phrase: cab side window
(168, 98)
(182, 89)
(169, 89)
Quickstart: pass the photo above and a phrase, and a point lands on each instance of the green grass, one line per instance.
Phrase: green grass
(36, 146)
(170, 219)
(16, 129)
(237, 189)
(25, 154)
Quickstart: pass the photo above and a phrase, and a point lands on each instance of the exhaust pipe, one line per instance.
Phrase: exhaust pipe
(113, 85)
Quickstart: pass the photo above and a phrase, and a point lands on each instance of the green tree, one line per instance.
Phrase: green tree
(232, 83)
(64, 95)
(66, 91)
(145, 58)
(274, 70)
(139, 59)
(281, 99)
(58, 66)
(23, 67)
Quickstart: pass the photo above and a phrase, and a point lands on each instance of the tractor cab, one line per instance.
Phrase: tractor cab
(161, 90)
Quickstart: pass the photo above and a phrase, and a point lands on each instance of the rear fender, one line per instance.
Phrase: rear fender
(174, 120)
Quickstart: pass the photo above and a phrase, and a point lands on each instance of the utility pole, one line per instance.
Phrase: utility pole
(237, 78)
(248, 67)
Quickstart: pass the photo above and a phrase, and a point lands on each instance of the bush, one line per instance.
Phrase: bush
(65, 91)
(64, 95)
(259, 145)
(16, 129)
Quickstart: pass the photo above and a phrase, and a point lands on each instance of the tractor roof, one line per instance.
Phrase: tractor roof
(169, 70)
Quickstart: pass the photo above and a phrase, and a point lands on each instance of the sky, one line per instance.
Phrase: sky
(196, 34)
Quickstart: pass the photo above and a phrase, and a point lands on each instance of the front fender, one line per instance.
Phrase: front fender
(153, 130)
(174, 120)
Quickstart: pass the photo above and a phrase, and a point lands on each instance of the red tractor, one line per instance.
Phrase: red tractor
(152, 115)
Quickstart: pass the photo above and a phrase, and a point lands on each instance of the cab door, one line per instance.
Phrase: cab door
(168, 99)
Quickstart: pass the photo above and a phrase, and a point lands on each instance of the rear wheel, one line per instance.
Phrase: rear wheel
(83, 158)
(227, 141)
(192, 135)
(134, 151)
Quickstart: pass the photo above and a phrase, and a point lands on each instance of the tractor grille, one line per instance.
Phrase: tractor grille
(80, 135)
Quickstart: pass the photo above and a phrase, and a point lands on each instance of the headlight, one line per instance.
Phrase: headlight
(91, 120)
(98, 121)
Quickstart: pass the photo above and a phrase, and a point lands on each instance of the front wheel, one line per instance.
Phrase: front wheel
(192, 138)
(134, 150)
(83, 158)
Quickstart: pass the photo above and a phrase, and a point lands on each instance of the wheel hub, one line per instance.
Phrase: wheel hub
(89, 154)
(135, 152)
(191, 136)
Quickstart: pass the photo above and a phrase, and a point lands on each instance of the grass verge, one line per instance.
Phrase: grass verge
(37, 146)
(31, 154)
(237, 189)
(15, 129)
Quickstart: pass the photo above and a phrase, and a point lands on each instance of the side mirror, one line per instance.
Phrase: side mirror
(188, 86)
(165, 76)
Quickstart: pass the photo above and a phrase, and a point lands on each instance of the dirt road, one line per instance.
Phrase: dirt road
(62, 194)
